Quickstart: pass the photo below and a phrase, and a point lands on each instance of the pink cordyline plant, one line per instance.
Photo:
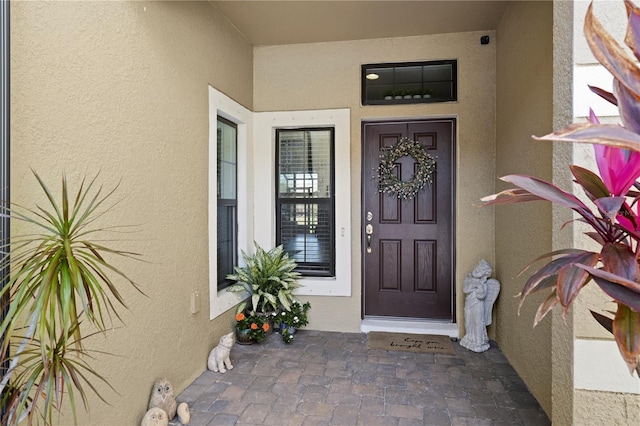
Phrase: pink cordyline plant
(613, 217)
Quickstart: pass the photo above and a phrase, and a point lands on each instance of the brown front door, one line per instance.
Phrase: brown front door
(408, 271)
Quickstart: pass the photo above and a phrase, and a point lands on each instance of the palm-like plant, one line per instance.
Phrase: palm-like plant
(268, 277)
(59, 277)
(613, 212)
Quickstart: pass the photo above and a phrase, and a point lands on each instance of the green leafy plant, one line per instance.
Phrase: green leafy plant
(612, 210)
(289, 321)
(287, 335)
(59, 278)
(298, 316)
(268, 277)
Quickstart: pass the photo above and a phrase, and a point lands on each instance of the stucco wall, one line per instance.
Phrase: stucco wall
(523, 232)
(610, 408)
(327, 75)
(122, 88)
(562, 326)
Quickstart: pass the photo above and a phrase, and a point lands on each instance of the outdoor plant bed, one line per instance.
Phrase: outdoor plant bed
(269, 278)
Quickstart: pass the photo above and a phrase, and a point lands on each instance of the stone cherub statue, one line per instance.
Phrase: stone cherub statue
(482, 293)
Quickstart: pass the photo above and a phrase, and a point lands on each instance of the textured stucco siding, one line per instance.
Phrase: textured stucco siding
(327, 75)
(523, 232)
(606, 408)
(122, 88)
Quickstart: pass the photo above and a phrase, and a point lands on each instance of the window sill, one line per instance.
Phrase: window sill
(224, 300)
(323, 286)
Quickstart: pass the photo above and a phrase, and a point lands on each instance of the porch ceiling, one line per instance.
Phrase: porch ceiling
(267, 22)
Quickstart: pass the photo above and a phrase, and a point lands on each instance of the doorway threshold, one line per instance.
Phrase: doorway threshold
(409, 325)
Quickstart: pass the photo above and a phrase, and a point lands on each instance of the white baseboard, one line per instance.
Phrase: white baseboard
(409, 325)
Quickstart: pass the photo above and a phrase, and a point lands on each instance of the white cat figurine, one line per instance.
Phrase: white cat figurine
(219, 356)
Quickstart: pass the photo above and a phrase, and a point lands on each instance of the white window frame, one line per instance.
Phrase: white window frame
(222, 105)
(265, 125)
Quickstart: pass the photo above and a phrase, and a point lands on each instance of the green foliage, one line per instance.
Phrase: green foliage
(268, 277)
(297, 317)
(289, 321)
(257, 325)
(59, 277)
(287, 336)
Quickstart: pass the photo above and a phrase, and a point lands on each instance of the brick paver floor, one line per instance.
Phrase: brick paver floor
(325, 378)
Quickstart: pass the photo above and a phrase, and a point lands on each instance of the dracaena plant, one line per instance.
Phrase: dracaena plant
(60, 276)
(612, 207)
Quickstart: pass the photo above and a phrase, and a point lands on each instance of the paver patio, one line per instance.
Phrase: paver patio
(327, 378)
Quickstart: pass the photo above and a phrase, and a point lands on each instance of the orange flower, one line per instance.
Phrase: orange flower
(254, 326)
(265, 327)
(239, 316)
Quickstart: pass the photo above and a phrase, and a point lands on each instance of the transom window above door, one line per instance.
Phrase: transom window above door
(408, 83)
(305, 198)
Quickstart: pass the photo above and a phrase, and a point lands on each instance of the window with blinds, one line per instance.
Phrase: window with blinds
(227, 207)
(305, 198)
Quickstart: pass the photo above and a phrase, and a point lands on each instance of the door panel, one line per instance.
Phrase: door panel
(408, 271)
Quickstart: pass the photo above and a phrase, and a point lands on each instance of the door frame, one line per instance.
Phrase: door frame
(364, 174)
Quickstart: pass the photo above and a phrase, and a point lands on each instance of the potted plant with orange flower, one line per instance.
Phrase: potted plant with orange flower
(250, 328)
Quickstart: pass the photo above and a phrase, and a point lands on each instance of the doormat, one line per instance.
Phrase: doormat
(417, 343)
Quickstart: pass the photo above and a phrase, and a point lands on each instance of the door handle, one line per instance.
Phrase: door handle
(369, 231)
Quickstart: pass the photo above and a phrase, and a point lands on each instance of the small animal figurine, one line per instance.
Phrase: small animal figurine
(162, 397)
(219, 356)
(155, 417)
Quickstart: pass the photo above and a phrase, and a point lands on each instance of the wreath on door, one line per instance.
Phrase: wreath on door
(389, 183)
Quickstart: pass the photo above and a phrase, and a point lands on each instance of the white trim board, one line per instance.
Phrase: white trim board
(222, 105)
(598, 366)
(409, 325)
(265, 125)
(256, 187)
(583, 98)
